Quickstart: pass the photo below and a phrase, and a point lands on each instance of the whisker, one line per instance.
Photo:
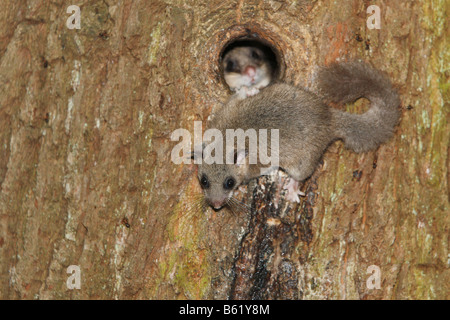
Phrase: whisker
(203, 204)
(231, 206)
(239, 205)
(196, 203)
(234, 206)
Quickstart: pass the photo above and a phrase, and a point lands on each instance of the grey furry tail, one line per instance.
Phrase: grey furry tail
(349, 81)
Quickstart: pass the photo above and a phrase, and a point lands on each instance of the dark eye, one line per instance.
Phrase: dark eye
(229, 183)
(230, 66)
(204, 183)
(255, 55)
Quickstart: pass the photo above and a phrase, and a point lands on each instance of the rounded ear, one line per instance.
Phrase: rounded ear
(239, 157)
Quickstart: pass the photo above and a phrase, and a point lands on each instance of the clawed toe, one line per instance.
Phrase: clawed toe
(293, 192)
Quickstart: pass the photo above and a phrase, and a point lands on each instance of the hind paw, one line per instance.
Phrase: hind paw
(293, 192)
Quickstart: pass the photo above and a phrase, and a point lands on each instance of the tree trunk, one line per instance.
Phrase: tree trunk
(86, 177)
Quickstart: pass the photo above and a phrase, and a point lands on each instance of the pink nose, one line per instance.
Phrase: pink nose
(250, 71)
(217, 204)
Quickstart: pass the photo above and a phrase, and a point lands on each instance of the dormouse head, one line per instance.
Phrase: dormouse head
(246, 66)
(219, 180)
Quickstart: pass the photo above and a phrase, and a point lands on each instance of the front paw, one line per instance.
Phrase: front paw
(252, 91)
(245, 92)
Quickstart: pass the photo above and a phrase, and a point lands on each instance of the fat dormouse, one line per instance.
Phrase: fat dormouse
(307, 125)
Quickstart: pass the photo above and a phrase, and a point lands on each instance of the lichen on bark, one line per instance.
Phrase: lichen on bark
(85, 123)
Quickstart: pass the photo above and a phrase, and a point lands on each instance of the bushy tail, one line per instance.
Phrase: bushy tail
(347, 82)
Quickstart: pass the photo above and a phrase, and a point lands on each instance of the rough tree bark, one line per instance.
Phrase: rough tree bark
(85, 122)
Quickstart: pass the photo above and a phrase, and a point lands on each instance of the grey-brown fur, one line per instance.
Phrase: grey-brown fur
(307, 126)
